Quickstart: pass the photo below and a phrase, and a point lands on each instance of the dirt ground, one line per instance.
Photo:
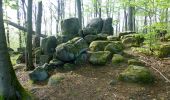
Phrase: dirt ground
(93, 83)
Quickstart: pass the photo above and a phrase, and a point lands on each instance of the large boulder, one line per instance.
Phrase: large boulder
(70, 50)
(99, 58)
(107, 26)
(48, 45)
(162, 50)
(136, 74)
(112, 38)
(98, 45)
(70, 28)
(54, 80)
(133, 40)
(90, 38)
(38, 74)
(115, 47)
(125, 33)
(93, 27)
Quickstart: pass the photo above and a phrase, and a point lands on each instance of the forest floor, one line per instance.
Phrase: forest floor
(93, 83)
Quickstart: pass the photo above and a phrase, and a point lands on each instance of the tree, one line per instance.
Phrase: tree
(38, 25)
(131, 17)
(79, 12)
(10, 88)
(29, 60)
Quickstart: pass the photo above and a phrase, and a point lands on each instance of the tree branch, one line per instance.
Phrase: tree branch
(22, 28)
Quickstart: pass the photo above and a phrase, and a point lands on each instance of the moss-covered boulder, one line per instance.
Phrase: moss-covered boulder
(70, 50)
(102, 36)
(56, 79)
(133, 40)
(48, 45)
(116, 59)
(90, 38)
(93, 27)
(125, 33)
(163, 50)
(136, 74)
(100, 57)
(114, 47)
(135, 62)
(98, 45)
(113, 38)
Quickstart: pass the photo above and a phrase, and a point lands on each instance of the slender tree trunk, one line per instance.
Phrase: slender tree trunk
(19, 23)
(100, 8)
(79, 13)
(29, 60)
(10, 88)
(38, 25)
(125, 18)
(131, 22)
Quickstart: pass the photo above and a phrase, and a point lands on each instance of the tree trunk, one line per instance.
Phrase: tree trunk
(18, 18)
(100, 9)
(38, 25)
(131, 18)
(79, 13)
(29, 60)
(10, 88)
(125, 18)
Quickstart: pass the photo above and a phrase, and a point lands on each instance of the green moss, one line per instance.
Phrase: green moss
(55, 80)
(14, 57)
(136, 74)
(114, 47)
(99, 58)
(135, 62)
(112, 38)
(98, 45)
(117, 59)
(69, 67)
(133, 40)
(162, 51)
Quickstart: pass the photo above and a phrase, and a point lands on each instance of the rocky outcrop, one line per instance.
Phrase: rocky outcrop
(70, 50)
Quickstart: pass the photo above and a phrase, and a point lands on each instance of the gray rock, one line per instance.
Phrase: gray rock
(70, 50)
(45, 59)
(38, 74)
(55, 79)
(48, 45)
(100, 57)
(107, 26)
(82, 59)
(93, 27)
(136, 74)
(70, 28)
(90, 38)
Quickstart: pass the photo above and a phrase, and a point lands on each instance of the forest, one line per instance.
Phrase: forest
(84, 49)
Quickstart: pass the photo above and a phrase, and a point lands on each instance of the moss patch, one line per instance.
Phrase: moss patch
(55, 79)
(136, 74)
(99, 58)
(117, 59)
